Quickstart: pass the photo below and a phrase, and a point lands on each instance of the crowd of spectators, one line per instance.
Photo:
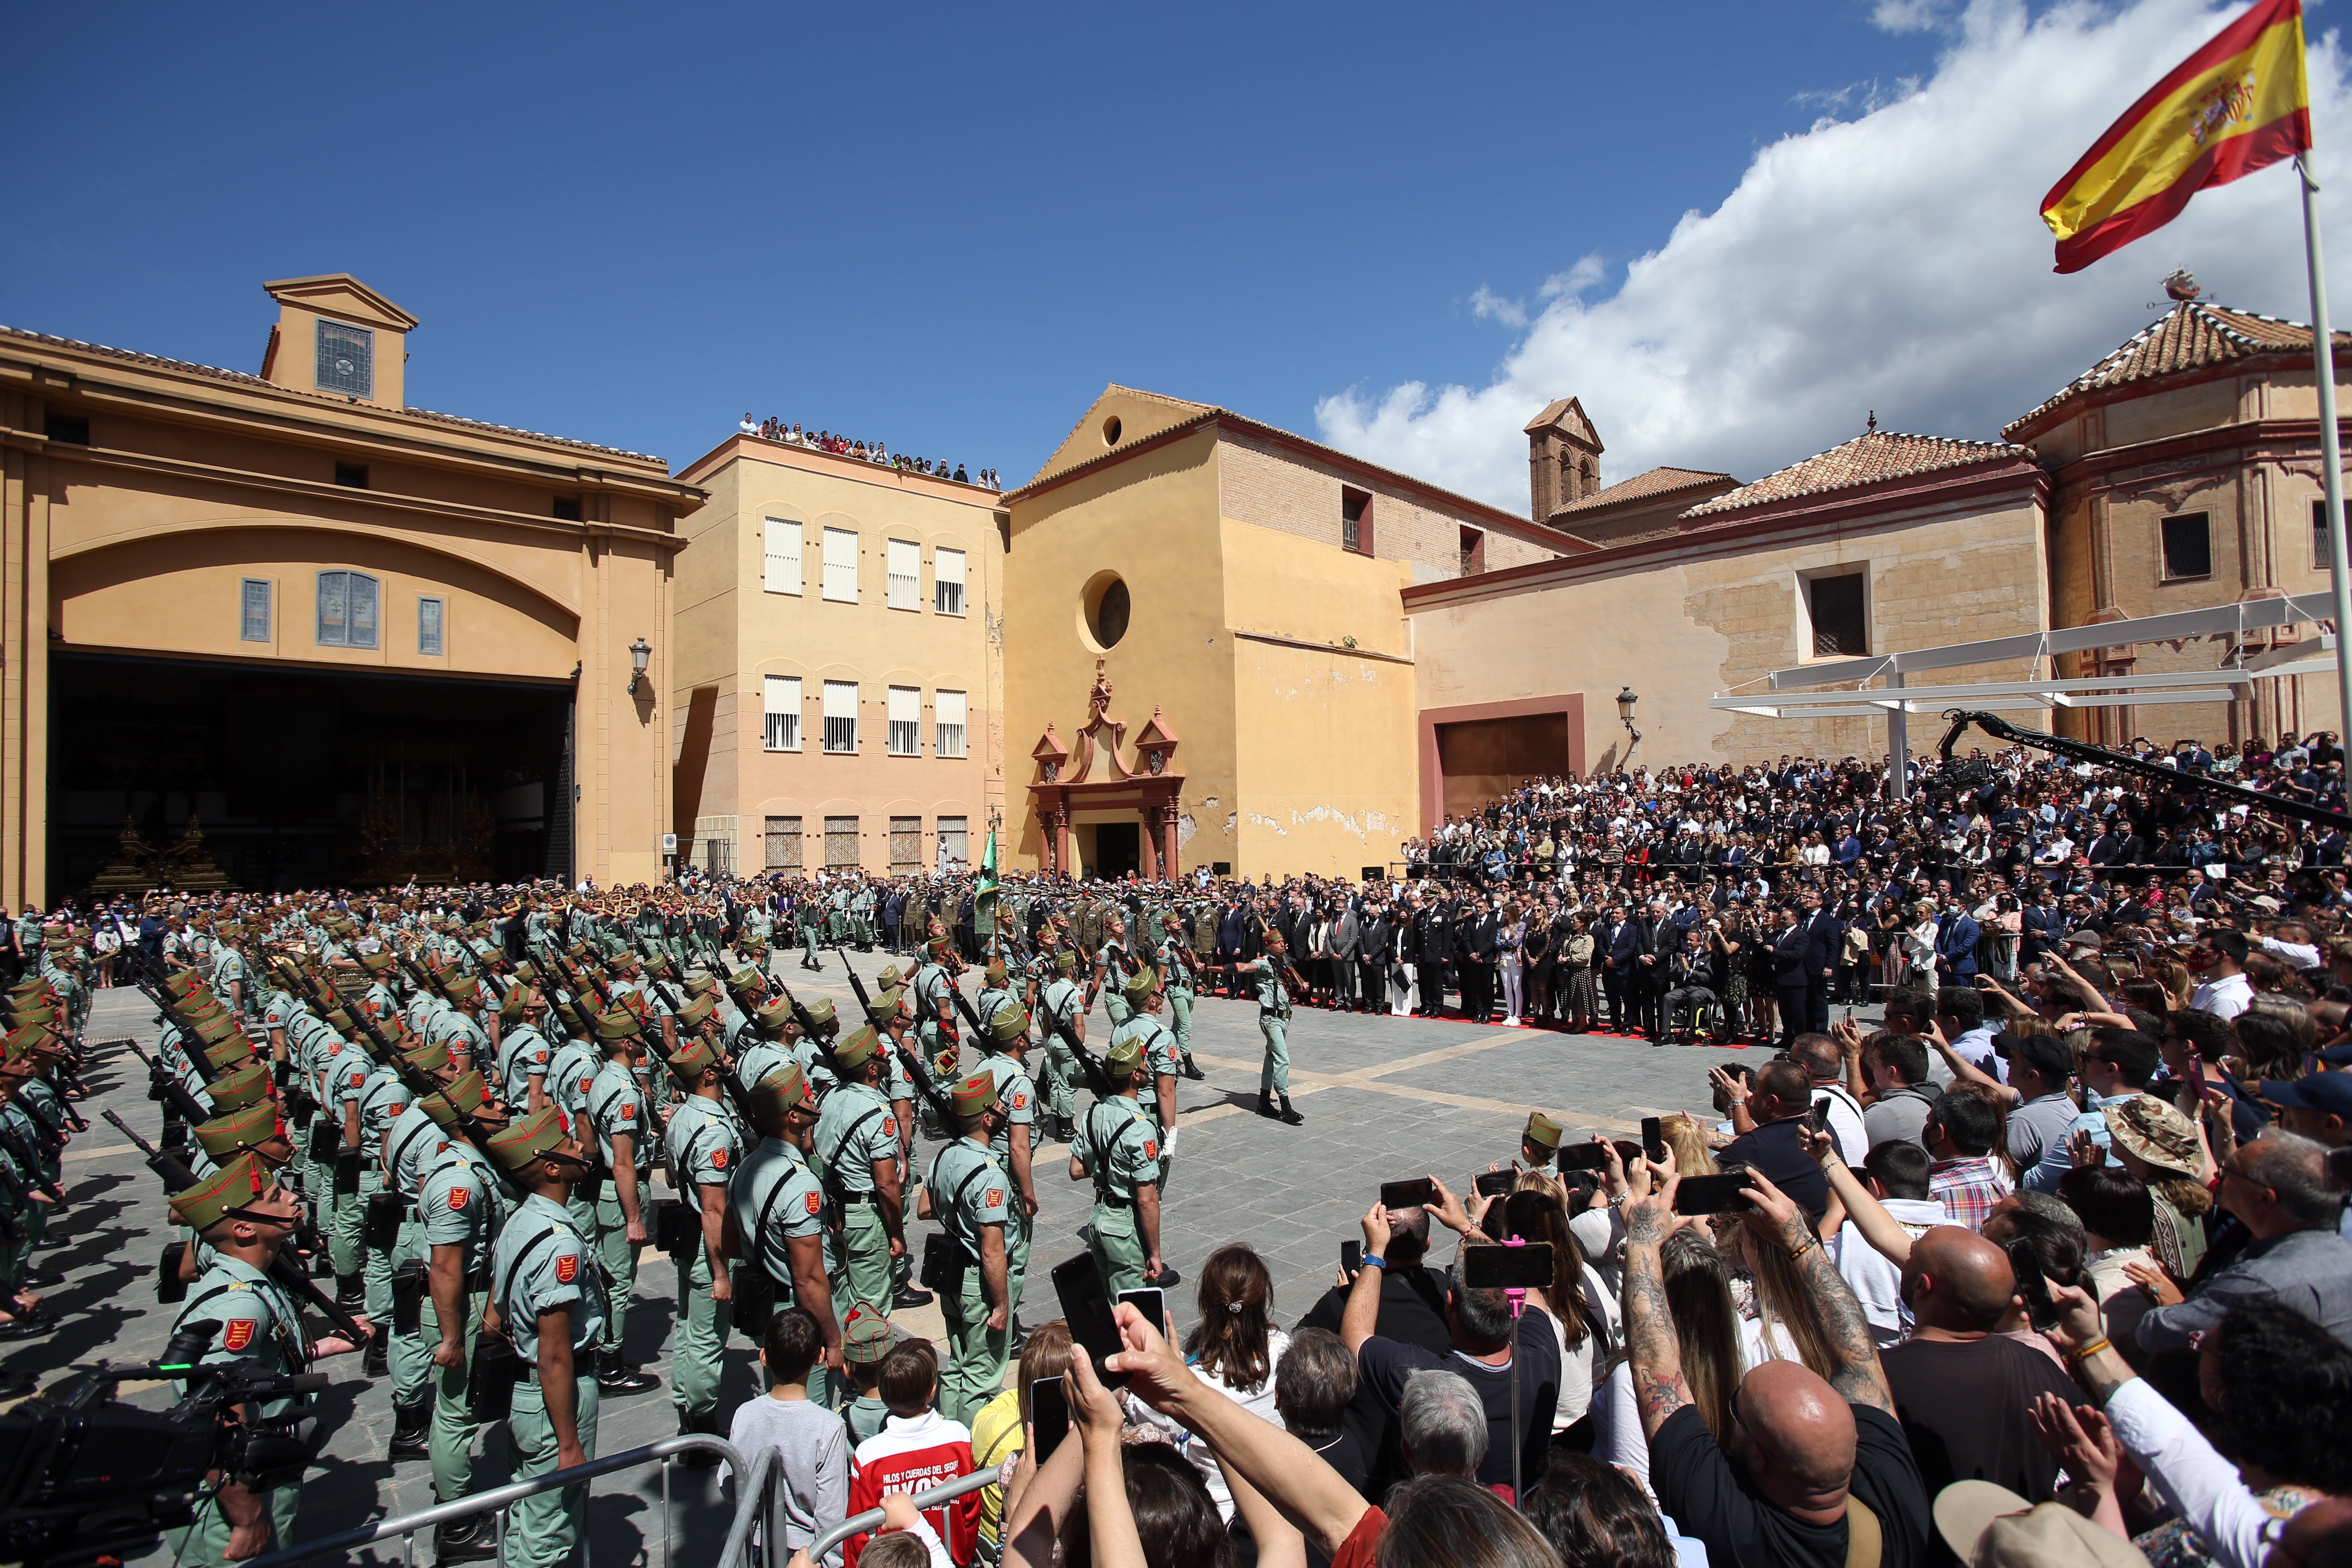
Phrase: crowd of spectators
(774, 429)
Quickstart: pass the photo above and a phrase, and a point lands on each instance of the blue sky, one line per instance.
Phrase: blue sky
(946, 227)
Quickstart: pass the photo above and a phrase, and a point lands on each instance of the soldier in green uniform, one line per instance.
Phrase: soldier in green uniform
(1110, 971)
(1117, 1146)
(1161, 1064)
(1274, 1024)
(1062, 1007)
(857, 1158)
(1178, 984)
(548, 1295)
(524, 1048)
(623, 1120)
(461, 1205)
(778, 1207)
(967, 1191)
(808, 912)
(1014, 1143)
(237, 1312)
(704, 1148)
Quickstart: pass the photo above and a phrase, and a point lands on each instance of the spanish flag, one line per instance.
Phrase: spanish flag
(2235, 105)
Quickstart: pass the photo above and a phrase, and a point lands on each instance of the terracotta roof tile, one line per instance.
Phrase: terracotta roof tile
(1865, 459)
(2193, 336)
(1655, 482)
(239, 378)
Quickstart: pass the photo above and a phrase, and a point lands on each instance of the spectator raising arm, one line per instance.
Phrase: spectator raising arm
(1651, 1342)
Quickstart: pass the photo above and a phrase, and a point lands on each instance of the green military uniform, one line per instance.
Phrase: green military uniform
(969, 1192)
(1118, 1146)
(1176, 985)
(1161, 1059)
(459, 1205)
(1061, 1002)
(617, 1105)
(857, 1130)
(777, 1200)
(1272, 1023)
(1016, 1105)
(705, 1146)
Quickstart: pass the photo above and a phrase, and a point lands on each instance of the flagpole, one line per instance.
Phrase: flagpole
(2331, 454)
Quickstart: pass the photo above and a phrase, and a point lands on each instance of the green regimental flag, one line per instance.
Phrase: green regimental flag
(984, 897)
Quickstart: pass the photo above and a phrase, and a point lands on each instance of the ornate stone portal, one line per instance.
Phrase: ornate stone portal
(1153, 789)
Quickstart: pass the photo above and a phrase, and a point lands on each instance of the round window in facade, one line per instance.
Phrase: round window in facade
(1103, 611)
(1110, 428)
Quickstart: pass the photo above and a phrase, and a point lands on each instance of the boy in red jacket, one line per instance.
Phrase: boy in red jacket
(917, 1449)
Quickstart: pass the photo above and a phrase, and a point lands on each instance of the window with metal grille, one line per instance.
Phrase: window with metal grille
(1474, 552)
(1355, 520)
(2321, 557)
(905, 844)
(948, 710)
(1836, 608)
(841, 715)
(346, 359)
(784, 843)
(429, 627)
(906, 580)
(255, 606)
(841, 841)
(953, 843)
(841, 565)
(782, 563)
(2188, 546)
(347, 606)
(780, 714)
(947, 582)
(906, 721)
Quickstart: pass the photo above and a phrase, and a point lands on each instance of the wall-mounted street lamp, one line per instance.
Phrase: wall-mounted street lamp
(1625, 700)
(641, 653)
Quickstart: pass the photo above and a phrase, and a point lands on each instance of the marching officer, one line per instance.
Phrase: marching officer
(1178, 984)
(1274, 1024)
(547, 1296)
(966, 1191)
(704, 1149)
(1118, 1146)
(1062, 1007)
(857, 1155)
(1014, 1143)
(237, 1312)
(779, 1205)
(1162, 1061)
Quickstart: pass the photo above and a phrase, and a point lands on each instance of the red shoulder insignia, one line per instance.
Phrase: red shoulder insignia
(1150, 1149)
(815, 1203)
(567, 1267)
(889, 1127)
(458, 1197)
(718, 1159)
(237, 1333)
(995, 1196)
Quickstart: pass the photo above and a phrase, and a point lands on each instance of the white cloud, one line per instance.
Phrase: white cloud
(1894, 261)
(1489, 306)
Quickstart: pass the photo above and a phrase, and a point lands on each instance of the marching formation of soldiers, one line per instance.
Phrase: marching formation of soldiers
(437, 1128)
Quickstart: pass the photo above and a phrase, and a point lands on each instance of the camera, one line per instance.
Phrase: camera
(86, 1477)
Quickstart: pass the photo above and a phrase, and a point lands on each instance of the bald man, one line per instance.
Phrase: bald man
(1964, 1390)
(1791, 1469)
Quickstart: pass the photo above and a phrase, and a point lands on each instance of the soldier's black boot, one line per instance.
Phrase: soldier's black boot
(700, 1458)
(1191, 1070)
(473, 1539)
(617, 1377)
(1289, 1115)
(351, 1292)
(377, 1360)
(1265, 1107)
(411, 1430)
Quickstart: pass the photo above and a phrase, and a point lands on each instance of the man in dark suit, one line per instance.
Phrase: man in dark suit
(1612, 979)
(1826, 932)
(1230, 943)
(1473, 948)
(1793, 967)
(1638, 953)
(1434, 930)
(1956, 943)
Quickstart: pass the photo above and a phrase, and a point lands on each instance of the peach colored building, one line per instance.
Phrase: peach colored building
(352, 639)
(838, 688)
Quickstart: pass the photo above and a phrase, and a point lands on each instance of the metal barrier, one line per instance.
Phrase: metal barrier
(872, 1518)
(408, 1526)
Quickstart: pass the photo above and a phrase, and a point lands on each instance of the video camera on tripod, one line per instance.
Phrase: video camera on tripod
(85, 1477)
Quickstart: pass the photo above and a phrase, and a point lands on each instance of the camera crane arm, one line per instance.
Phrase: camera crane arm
(2001, 729)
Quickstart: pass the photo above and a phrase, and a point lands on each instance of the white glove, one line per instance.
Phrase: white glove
(1167, 1144)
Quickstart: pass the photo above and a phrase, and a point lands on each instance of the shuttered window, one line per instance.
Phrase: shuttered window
(946, 581)
(780, 713)
(905, 583)
(949, 709)
(781, 560)
(841, 715)
(841, 565)
(841, 841)
(784, 843)
(906, 845)
(906, 720)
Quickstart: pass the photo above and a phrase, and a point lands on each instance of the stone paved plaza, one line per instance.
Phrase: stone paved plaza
(1384, 1099)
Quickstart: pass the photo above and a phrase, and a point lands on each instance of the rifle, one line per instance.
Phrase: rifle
(177, 1178)
(13, 1143)
(192, 1109)
(918, 1069)
(810, 1029)
(1098, 1078)
(733, 1085)
(1285, 971)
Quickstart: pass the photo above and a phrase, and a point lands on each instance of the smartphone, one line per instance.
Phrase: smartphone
(1413, 1195)
(1653, 1142)
(1088, 1311)
(1152, 1302)
(2033, 1285)
(1818, 1117)
(1049, 1411)
(1495, 1183)
(1582, 1157)
(1352, 1258)
(1627, 1151)
(1712, 1194)
(1501, 1268)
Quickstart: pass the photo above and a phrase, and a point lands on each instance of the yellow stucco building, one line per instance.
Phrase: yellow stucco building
(1240, 589)
(838, 687)
(354, 639)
